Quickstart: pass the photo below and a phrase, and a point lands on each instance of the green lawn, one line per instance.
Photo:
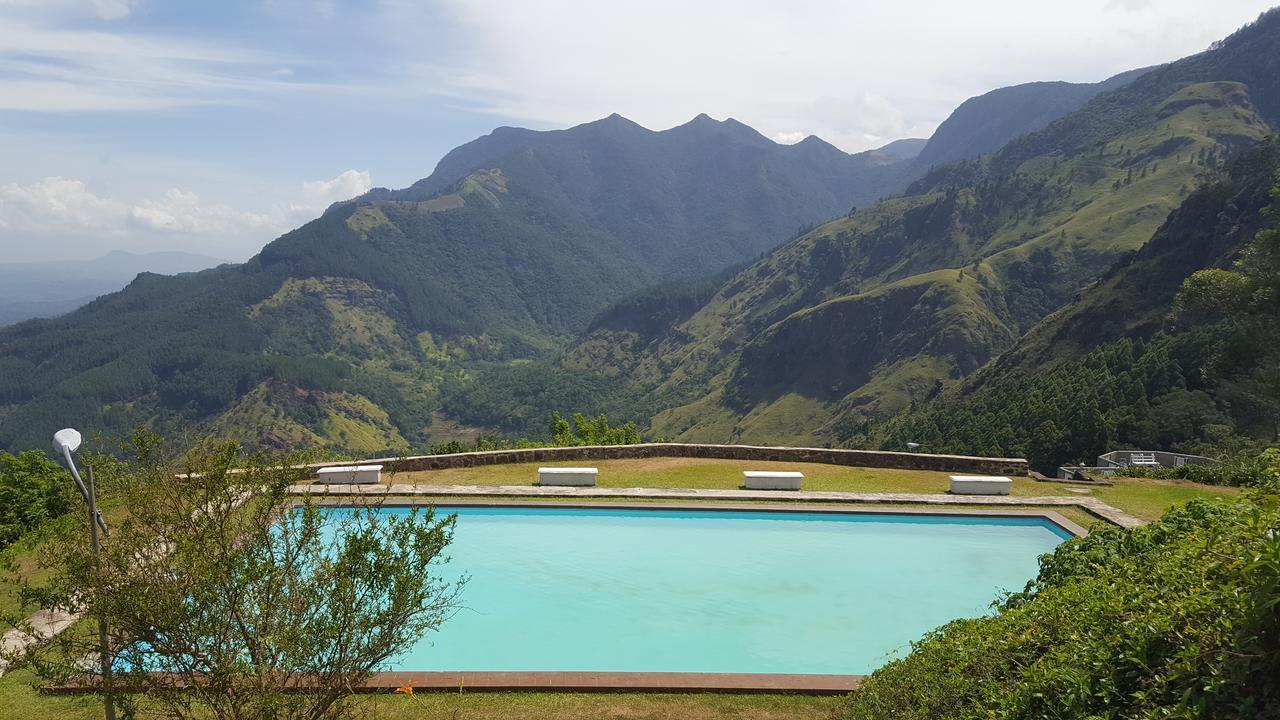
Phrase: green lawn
(19, 699)
(1146, 499)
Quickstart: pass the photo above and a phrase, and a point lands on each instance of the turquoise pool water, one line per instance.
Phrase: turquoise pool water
(712, 591)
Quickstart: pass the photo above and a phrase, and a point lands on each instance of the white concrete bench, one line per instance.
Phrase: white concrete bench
(350, 474)
(1144, 460)
(980, 485)
(567, 476)
(771, 480)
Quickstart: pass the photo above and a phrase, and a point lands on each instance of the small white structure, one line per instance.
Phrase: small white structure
(1119, 459)
(1144, 460)
(980, 485)
(350, 474)
(567, 476)
(766, 480)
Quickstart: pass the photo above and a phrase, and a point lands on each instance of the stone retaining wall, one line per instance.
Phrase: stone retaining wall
(747, 453)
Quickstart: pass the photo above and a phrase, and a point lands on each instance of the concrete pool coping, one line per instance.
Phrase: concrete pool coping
(1057, 519)
(1091, 505)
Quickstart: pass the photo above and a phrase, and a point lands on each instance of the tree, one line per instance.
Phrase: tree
(224, 599)
(33, 489)
(590, 432)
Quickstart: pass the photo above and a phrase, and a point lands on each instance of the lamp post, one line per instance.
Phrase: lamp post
(66, 441)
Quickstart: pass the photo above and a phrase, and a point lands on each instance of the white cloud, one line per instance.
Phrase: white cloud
(319, 194)
(789, 138)
(855, 72)
(61, 217)
(100, 9)
(112, 9)
(51, 64)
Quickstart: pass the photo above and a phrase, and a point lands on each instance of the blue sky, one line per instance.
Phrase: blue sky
(213, 127)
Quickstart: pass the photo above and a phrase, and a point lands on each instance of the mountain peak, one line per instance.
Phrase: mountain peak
(613, 122)
(701, 121)
(704, 123)
(816, 142)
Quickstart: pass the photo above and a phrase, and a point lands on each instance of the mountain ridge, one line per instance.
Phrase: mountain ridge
(358, 328)
(1017, 239)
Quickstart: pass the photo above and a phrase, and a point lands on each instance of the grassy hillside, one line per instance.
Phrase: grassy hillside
(1172, 349)
(985, 123)
(870, 313)
(346, 331)
(343, 331)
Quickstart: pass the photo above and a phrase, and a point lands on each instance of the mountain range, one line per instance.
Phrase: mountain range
(703, 280)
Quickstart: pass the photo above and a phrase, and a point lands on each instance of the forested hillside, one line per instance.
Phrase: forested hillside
(1176, 347)
(872, 314)
(985, 123)
(359, 329)
(342, 332)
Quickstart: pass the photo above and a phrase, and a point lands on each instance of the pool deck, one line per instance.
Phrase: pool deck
(1091, 505)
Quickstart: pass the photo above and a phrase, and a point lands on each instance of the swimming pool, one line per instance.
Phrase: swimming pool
(610, 589)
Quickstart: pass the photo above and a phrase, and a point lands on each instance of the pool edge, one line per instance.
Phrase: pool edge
(654, 682)
(578, 682)
(1071, 528)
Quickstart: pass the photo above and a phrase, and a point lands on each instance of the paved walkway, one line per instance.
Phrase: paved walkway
(44, 624)
(1090, 505)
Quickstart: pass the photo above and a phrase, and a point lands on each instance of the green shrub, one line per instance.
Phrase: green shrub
(33, 489)
(590, 432)
(563, 434)
(1240, 471)
(1177, 619)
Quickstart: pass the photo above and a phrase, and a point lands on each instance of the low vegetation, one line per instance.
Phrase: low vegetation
(33, 491)
(1177, 619)
(221, 598)
(562, 433)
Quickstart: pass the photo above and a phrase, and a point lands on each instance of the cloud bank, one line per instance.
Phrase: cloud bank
(68, 219)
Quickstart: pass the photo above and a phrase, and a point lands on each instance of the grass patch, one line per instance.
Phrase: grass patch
(1144, 498)
(20, 699)
(582, 706)
(1149, 498)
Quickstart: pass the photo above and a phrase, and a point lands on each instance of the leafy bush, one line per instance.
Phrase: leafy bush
(1177, 619)
(1237, 471)
(563, 434)
(224, 599)
(590, 432)
(33, 489)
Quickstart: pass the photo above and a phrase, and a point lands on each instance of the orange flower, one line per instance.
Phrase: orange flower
(406, 689)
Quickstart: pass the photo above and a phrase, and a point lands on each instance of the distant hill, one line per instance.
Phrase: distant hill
(905, 149)
(869, 315)
(343, 331)
(985, 123)
(49, 289)
(1135, 362)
